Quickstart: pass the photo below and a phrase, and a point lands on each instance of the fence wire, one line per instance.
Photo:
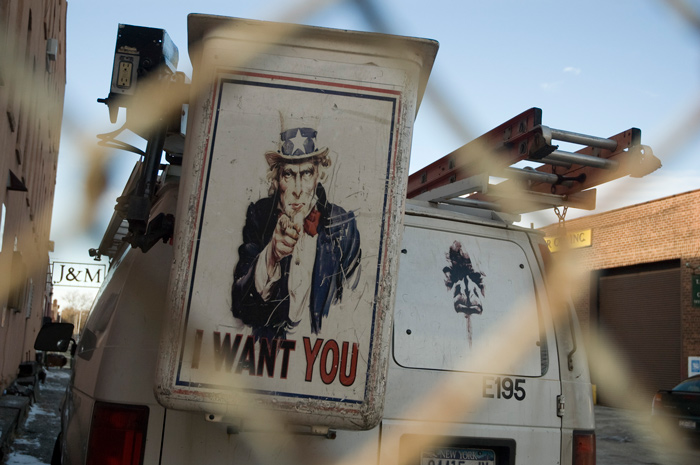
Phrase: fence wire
(607, 363)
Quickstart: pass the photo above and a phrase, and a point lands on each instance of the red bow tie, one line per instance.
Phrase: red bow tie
(311, 222)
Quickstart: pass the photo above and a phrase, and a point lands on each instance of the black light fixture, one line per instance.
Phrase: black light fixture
(14, 183)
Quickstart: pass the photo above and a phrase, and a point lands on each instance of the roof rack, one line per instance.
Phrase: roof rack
(559, 178)
(118, 227)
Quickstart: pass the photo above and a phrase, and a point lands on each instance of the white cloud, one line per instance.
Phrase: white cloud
(572, 70)
(550, 86)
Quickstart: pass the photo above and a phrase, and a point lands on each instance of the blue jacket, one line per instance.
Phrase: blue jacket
(337, 259)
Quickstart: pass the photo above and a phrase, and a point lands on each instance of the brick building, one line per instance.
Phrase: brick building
(643, 260)
(32, 86)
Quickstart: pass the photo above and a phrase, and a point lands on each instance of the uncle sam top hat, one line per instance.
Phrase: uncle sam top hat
(296, 145)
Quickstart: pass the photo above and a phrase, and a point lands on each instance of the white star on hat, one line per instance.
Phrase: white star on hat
(298, 140)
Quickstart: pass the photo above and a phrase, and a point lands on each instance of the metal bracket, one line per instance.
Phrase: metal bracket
(238, 426)
(561, 405)
(476, 183)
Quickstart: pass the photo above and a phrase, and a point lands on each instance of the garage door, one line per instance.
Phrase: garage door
(641, 313)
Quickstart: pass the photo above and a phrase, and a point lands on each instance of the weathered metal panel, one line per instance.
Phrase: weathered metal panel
(470, 286)
(289, 222)
(641, 313)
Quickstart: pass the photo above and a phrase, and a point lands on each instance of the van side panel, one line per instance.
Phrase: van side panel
(575, 377)
(116, 356)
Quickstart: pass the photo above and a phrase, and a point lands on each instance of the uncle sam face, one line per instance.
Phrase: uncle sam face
(297, 188)
(465, 282)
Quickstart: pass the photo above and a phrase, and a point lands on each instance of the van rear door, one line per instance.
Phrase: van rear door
(474, 375)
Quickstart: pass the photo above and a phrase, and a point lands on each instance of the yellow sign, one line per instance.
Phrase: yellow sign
(574, 240)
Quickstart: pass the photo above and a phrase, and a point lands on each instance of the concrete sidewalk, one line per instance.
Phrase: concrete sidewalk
(13, 412)
(16, 400)
(30, 428)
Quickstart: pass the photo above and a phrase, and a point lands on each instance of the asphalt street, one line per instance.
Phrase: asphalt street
(622, 437)
(626, 437)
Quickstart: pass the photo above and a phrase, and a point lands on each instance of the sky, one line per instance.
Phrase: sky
(597, 67)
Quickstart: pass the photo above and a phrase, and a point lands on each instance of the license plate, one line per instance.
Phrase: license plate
(690, 424)
(457, 456)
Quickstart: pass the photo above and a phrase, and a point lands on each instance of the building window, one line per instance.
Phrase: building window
(30, 297)
(3, 213)
(10, 117)
(18, 282)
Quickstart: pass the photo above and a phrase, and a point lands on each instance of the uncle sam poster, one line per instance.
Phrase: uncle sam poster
(289, 229)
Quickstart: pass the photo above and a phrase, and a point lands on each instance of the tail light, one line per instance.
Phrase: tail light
(117, 434)
(584, 448)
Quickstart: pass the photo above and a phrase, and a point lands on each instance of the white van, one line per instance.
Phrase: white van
(472, 365)
(442, 405)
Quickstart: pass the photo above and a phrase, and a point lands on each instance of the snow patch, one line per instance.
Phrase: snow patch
(21, 459)
(27, 442)
(35, 411)
(57, 374)
(52, 387)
